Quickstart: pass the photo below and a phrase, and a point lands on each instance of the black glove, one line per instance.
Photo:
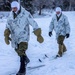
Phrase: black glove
(50, 34)
(67, 35)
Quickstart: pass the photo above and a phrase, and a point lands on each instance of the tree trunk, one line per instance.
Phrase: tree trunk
(40, 9)
(70, 6)
(19, 1)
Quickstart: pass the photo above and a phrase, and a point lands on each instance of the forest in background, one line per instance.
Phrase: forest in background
(38, 5)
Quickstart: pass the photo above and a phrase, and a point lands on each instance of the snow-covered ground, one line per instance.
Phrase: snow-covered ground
(9, 60)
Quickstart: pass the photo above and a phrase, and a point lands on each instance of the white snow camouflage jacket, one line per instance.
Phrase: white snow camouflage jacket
(61, 27)
(19, 27)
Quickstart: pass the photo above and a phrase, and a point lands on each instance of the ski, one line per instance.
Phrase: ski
(12, 74)
(17, 74)
(35, 67)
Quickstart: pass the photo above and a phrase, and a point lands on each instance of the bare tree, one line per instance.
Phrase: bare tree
(40, 4)
(72, 3)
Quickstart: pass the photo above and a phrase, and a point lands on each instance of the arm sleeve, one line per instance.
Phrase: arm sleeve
(9, 21)
(32, 22)
(7, 24)
(67, 25)
(51, 27)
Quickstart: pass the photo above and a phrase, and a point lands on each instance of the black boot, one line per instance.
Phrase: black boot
(22, 69)
(26, 60)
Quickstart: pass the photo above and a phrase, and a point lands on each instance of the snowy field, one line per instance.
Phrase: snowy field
(9, 60)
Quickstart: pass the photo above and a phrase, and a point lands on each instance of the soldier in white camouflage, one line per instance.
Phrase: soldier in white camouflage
(61, 27)
(17, 31)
